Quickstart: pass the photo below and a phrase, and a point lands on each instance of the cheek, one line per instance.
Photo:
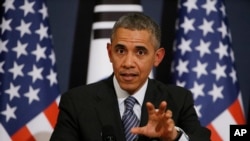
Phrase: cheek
(116, 63)
(145, 65)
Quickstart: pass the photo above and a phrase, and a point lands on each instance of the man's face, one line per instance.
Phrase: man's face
(133, 56)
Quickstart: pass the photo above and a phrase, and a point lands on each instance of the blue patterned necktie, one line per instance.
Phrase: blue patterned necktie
(129, 118)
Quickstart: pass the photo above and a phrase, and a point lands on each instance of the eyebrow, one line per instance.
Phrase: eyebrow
(119, 46)
(137, 47)
(141, 48)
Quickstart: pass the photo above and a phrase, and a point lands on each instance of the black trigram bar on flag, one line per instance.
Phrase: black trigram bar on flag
(106, 12)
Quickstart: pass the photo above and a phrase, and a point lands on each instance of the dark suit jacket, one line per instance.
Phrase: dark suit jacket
(85, 110)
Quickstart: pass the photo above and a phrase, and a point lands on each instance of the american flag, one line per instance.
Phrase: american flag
(106, 12)
(204, 63)
(29, 91)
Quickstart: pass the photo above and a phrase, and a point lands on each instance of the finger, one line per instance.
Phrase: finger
(165, 119)
(150, 108)
(168, 114)
(162, 107)
(166, 124)
(137, 130)
(171, 125)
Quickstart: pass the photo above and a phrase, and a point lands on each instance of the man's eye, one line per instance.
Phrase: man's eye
(141, 52)
(120, 51)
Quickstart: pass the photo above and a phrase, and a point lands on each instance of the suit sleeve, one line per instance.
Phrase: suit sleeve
(189, 122)
(66, 126)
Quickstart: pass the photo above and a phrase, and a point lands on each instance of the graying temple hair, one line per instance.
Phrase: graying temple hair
(138, 21)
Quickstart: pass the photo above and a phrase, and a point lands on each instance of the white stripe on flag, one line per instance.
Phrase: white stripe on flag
(4, 136)
(99, 65)
(222, 124)
(118, 7)
(40, 127)
(103, 25)
(241, 104)
(58, 100)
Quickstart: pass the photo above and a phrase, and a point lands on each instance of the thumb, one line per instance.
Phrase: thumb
(137, 130)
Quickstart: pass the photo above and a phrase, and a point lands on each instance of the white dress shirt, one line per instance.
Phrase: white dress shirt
(139, 96)
(122, 95)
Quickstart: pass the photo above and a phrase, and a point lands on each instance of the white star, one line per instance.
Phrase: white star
(52, 57)
(43, 11)
(42, 32)
(3, 46)
(229, 36)
(219, 71)
(175, 45)
(233, 75)
(197, 90)
(52, 77)
(17, 70)
(24, 28)
(36, 73)
(172, 67)
(188, 25)
(39, 52)
(206, 27)
(221, 50)
(185, 46)
(182, 67)
(223, 29)
(8, 4)
(1, 67)
(223, 10)
(190, 4)
(216, 92)
(13, 91)
(198, 109)
(32, 94)
(232, 54)
(177, 23)
(9, 112)
(200, 69)
(5, 25)
(20, 49)
(181, 84)
(27, 7)
(203, 48)
(209, 6)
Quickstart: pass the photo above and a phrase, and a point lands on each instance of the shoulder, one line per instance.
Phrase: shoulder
(167, 87)
(170, 91)
(89, 90)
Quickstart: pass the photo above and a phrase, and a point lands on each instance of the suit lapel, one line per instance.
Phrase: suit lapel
(152, 95)
(108, 110)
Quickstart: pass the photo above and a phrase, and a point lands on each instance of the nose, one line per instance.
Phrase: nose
(128, 61)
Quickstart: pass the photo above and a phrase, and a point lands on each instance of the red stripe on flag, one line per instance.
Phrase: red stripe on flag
(23, 135)
(214, 135)
(51, 113)
(236, 111)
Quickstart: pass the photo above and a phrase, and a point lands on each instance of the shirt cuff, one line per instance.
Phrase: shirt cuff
(184, 136)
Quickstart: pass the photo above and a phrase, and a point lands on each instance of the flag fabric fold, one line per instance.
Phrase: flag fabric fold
(204, 63)
(29, 91)
(106, 12)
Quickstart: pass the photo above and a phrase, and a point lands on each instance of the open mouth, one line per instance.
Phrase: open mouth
(128, 76)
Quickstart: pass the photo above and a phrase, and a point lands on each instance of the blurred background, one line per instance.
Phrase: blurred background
(71, 22)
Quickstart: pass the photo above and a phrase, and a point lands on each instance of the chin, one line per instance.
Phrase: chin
(130, 88)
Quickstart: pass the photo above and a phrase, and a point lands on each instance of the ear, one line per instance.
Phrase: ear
(109, 50)
(159, 55)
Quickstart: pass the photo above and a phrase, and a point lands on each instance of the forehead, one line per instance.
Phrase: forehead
(132, 35)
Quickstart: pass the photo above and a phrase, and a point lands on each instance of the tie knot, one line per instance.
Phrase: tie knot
(130, 102)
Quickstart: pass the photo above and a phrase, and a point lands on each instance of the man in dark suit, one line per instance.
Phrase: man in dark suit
(99, 111)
